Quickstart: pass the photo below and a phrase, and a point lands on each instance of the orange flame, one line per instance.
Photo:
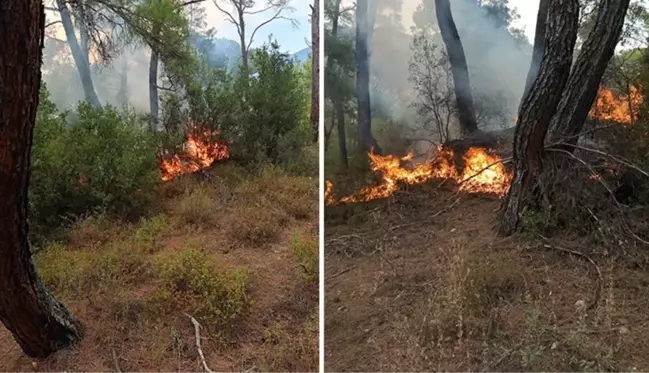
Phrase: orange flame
(482, 173)
(200, 152)
(622, 109)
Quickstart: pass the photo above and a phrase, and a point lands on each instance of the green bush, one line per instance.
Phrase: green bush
(105, 159)
(218, 296)
(305, 249)
(263, 116)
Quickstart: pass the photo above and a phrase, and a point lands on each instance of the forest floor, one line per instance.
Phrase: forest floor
(237, 252)
(421, 281)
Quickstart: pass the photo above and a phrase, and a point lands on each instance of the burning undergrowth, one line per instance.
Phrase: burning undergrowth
(480, 171)
(624, 109)
(201, 149)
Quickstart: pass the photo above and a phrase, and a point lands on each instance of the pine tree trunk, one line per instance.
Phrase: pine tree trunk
(366, 140)
(538, 107)
(459, 68)
(122, 93)
(315, 69)
(342, 138)
(539, 46)
(153, 89)
(80, 60)
(40, 324)
(586, 75)
(339, 107)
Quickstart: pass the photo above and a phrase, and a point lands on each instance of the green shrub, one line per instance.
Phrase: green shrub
(217, 296)
(245, 109)
(271, 129)
(150, 231)
(105, 159)
(305, 248)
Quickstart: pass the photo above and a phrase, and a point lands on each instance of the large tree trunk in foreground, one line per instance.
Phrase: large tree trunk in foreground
(40, 324)
(586, 75)
(366, 140)
(80, 60)
(538, 107)
(539, 46)
(455, 50)
(315, 69)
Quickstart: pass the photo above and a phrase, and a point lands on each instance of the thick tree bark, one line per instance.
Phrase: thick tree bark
(539, 46)
(586, 75)
(315, 69)
(538, 107)
(366, 141)
(40, 324)
(459, 68)
(81, 61)
(153, 89)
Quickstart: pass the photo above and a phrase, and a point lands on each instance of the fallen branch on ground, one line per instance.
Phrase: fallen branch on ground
(197, 327)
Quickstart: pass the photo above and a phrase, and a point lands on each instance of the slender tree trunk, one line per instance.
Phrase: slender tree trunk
(366, 140)
(461, 81)
(338, 116)
(315, 69)
(122, 94)
(329, 131)
(539, 46)
(80, 60)
(538, 107)
(587, 73)
(342, 139)
(242, 40)
(40, 324)
(153, 89)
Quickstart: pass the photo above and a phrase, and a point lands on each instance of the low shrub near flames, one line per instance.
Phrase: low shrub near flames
(295, 195)
(267, 202)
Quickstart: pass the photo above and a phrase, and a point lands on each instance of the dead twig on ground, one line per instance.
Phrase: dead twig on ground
(116, 361)
(197, 327)
(340, 272)
(598, 290)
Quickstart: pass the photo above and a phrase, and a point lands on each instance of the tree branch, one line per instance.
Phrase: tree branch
(52, 23)
(274, 17)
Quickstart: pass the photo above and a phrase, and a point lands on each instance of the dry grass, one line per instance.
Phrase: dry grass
(130, 284)
(445, 293)
(305, 248)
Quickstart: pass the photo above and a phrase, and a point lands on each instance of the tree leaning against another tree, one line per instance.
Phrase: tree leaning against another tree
(574, 91)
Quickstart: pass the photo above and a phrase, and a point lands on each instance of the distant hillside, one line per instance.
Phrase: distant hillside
(226, 53)
(302, 56)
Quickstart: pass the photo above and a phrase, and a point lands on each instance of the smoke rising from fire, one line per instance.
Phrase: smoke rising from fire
(498, 63)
